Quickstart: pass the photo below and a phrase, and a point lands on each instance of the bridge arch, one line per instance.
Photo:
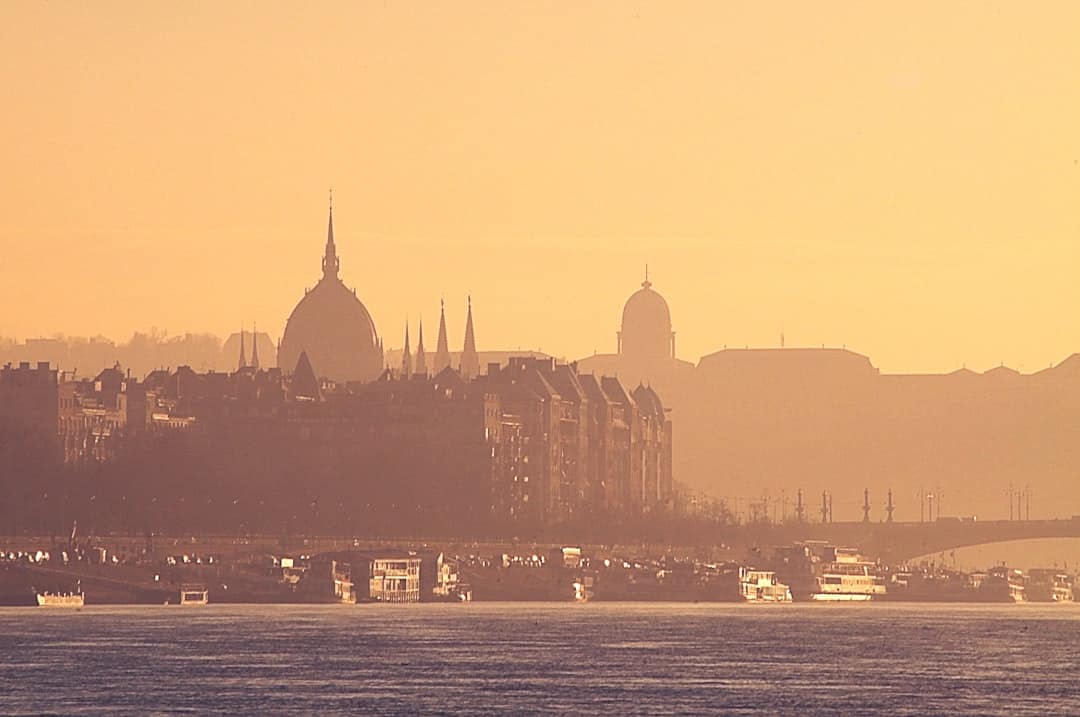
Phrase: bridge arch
(901, 542)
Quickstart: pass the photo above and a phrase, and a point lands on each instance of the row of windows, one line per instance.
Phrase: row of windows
(74, 425)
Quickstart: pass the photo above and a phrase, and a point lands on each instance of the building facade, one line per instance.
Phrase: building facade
(86, 420)
(527, 445)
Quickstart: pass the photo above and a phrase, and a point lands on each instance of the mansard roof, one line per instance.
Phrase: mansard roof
(565, 380)
(616, 391)
(648, 400)
(592, 388)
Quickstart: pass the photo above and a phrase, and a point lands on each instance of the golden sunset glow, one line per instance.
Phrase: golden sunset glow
(900, 180)
(612, 357)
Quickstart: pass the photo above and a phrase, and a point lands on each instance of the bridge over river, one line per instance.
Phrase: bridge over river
(890, 542)
(897, 542)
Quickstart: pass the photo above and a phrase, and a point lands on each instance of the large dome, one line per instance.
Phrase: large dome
(646, 325)
(333, 327)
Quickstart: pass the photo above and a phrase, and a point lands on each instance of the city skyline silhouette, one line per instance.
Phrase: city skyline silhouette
(888, 205)
(537, 357)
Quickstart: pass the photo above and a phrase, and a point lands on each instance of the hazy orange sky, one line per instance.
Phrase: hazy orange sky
(904, 180)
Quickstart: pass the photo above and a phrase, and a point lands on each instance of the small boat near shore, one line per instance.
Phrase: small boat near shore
(75, 598)
(194, 594)
(761, 586)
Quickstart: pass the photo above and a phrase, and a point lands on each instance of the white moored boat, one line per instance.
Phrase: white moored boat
(762, 586)
(75, 598)
(847, 577)
(194, 595)
(825, 573)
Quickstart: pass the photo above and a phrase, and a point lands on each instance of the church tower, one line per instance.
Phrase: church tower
(421, 360)
(442, 349)
(470, 360)
(406, 356)
(254, 346)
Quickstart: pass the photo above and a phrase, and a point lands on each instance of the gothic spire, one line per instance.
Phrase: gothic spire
(470, 360)
(442, 348)
(243, 354)
(254, 346)
(330, 262)
(406, 356)
(421, 361)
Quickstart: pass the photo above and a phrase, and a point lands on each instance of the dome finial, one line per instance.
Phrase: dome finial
(331, 263)
(646, 284)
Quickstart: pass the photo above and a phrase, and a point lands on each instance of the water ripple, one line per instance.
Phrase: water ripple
(541, 659)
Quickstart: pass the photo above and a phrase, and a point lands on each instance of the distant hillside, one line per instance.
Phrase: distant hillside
(142, 353)
(755, 422)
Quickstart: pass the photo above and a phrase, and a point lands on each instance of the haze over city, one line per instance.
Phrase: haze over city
(844, 175)
(534, 357)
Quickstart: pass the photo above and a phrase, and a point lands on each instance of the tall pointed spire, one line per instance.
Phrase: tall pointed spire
(470, 360)
(254, 346)
(646, 284)
(421, 360)
(330, 262)
(442, 348)
(406, 356)
(243, 354)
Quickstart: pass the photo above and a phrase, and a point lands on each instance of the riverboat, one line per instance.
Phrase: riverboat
(194, 595)
(762, 586)
(75, 598)
(583, 588)
(1000, 584)
(1049, 585)
(930, 584)
(820, 572)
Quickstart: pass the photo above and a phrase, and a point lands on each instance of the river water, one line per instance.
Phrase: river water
(523, 658)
